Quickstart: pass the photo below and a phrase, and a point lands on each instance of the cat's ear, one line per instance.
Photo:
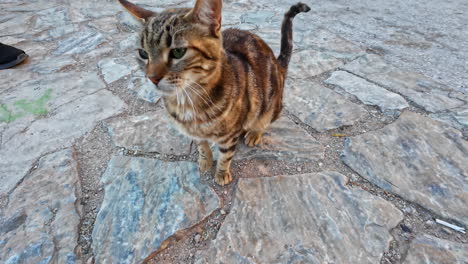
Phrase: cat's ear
(137, 11)
(208, 12)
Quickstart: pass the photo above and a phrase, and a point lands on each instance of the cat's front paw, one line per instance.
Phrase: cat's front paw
(204, 164)
(223, 177)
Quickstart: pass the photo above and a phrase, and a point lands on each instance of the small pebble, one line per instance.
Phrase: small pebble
(299, 169)
(223, 212)
(320, 164)
(197, 238)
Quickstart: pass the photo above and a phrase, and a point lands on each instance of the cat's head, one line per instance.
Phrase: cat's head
(180, 47)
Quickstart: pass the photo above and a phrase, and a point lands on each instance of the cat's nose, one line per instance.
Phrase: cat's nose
(155, 79)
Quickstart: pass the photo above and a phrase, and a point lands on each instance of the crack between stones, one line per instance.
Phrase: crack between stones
(396, 246)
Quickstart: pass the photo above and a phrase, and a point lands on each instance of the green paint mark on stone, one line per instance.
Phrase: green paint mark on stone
(25, 107)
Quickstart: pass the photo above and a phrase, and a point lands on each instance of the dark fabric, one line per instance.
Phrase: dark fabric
(8, 53)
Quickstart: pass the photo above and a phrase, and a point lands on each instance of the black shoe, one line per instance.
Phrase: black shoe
(10, 56)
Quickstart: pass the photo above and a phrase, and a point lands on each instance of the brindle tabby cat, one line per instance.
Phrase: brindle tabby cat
(216, 86)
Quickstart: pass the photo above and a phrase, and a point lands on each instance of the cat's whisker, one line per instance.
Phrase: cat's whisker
(191, 102)
(207, 96)
(198, 94)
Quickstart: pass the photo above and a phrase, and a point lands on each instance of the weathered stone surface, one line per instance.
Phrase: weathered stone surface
(284, 140)
(129, 22)
(144, 89)
(64, 125)
(309, 218)
(426, 249)
(456, 117)
(323, 41)
(320, 107)
(423, 91)
(319, 51)
(422, 160)
(51, 17)
(151, 132)
(52, 65)
(81, 42)
(113, 69)
(42, 96)
(145, 202)
(40, 222)
(57, 32)
(367, 92)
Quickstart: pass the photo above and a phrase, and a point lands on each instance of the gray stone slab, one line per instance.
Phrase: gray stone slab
(320, 107)
(83, 41)
(151, 132)
(52, 65)
(57, 32)
(40, 96)
(309, 218)
(367, 92)
(51, 18)
(145, 202)
(144, 89)
(40, 222)
(422, 160)
(284, 140)
(318, 51)
(426, 249)
(113, 69)
(59, 130)
(456, 117)
(423, 91)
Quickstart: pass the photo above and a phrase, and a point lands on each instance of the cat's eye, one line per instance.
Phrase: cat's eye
(143, 54)
(178, 53)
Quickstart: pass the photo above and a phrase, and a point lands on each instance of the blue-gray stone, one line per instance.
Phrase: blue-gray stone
(422, 160)
(145, 202)
(81, 42)
(309, 218)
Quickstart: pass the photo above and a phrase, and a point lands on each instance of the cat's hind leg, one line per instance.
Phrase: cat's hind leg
(253, 138)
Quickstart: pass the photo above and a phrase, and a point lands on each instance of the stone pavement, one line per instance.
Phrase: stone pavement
(371, 149)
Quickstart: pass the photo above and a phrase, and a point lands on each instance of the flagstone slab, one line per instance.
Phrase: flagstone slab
(418, 158)
(426, 249)
(67, 123)
(308, 218)
(283, 140)
(150, 132)
(421, 90)
(145, 202)
(40, 222)
(367, 92)
(320, 107)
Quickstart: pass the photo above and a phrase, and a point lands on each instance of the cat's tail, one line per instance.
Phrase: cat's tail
(287, 33)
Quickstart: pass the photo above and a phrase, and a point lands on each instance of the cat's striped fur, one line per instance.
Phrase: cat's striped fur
(225, 85)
